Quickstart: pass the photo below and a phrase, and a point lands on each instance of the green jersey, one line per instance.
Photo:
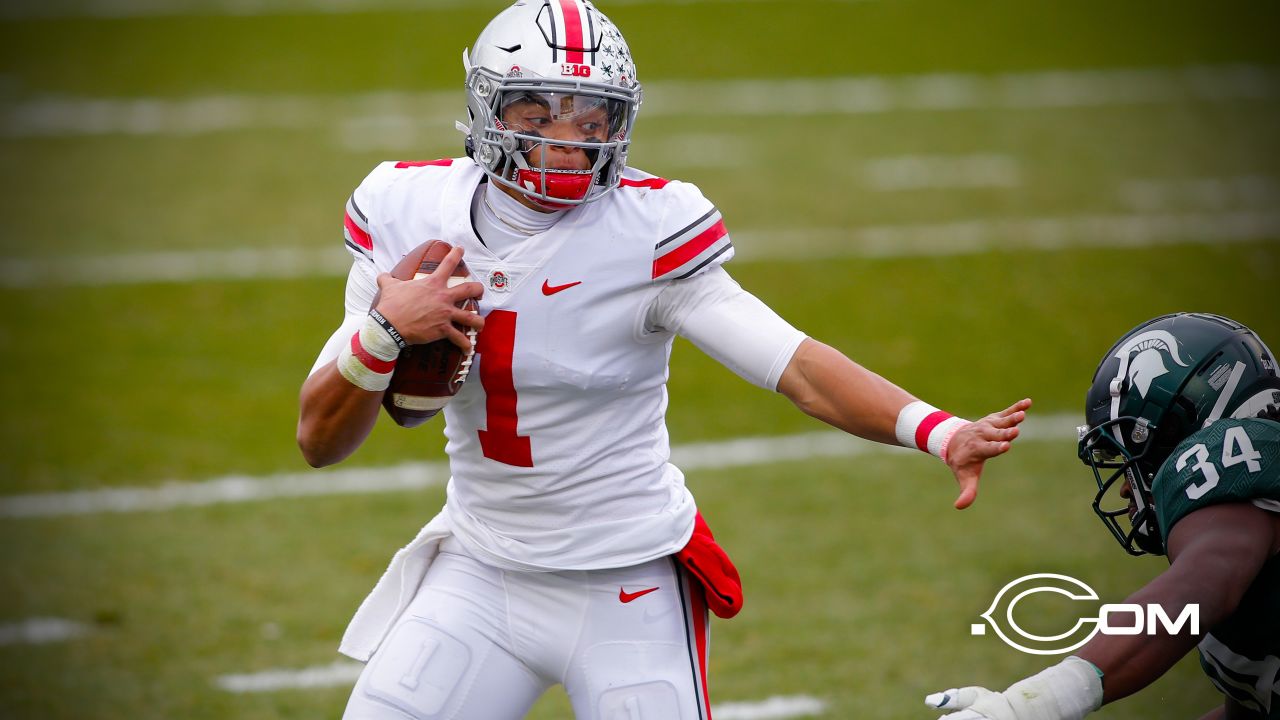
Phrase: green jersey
(1233, 461)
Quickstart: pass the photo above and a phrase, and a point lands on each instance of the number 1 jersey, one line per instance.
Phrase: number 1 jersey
(557, 443)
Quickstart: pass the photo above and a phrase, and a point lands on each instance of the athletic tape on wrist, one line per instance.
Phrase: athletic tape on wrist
(925, 427)
(369, 360)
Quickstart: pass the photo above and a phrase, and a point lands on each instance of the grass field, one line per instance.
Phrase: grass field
(974, 199)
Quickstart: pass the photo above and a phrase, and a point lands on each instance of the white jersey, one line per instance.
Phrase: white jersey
(557, 443)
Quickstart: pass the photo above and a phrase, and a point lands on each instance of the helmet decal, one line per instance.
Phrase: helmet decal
(1141, 362)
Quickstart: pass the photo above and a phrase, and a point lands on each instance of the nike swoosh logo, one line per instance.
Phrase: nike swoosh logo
(627, 597)
(549, 289)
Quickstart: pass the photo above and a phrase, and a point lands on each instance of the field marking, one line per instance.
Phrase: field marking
(929, 172)
(1204, 193)
(40, 631)
(959, 237)
(409, 118)
(241, 8)
(713, 455)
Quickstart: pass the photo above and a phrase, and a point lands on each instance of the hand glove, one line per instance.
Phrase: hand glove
(1067, 691)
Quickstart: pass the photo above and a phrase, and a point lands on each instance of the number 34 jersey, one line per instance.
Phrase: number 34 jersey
(557, 443)
(1233, 461)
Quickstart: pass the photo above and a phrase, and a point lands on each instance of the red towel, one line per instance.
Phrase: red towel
(710, 564)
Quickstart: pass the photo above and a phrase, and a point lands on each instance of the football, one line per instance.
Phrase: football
(427, 376)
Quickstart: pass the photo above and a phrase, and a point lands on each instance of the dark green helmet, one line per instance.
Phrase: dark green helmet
(1164, 380)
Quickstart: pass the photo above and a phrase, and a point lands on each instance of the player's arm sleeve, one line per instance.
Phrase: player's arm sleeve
(362, 285)
(728, 323)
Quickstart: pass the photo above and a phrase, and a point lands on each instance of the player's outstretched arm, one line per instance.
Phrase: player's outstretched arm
(339, 402)
(1217, 553)
(827, 385)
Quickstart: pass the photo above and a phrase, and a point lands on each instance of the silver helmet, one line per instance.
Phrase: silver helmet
(543, 64)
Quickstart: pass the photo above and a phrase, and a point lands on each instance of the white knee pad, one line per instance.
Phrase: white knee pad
(418, 669)
(656, 700)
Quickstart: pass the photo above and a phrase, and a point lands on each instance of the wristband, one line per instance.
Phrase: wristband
(386, 325)
(369, 360)
(925, 427)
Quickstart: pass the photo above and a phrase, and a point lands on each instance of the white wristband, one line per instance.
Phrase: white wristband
(925, 427)
(369, 360)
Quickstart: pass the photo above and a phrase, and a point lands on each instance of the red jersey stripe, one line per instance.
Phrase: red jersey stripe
(367, 359)
(572, 31)
(654, 183)
(359, 236)
(688, 251)
(926, 426)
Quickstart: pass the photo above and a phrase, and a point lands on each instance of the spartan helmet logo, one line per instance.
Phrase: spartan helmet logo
(1141, 362)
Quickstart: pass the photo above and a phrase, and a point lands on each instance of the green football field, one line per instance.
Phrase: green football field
(972, 198)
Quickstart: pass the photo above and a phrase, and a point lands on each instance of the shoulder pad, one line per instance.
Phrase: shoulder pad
(358, 227)
(693, 235)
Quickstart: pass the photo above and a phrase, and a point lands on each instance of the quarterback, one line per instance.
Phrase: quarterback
(569, 549)
(1183, 436)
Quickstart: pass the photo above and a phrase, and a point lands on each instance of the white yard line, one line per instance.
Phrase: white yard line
(41, 630)
(931, 172)
(959, 237)
(422, 116)
(718, 455)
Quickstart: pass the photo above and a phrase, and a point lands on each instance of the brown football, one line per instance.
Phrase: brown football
(428, 375)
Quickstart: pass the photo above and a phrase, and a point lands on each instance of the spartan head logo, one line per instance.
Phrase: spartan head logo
(1142, 360)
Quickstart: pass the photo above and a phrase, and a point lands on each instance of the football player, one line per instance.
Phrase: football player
(1183, 437)
(569, 549)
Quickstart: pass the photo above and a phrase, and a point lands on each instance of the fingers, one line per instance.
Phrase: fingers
(1022, 405)
(384, 279)
(957, 699)
(1011, 415)
(467, 319)
(465, 291)
(968, 490)
(457, 337)
(449, 263)
(945, 700)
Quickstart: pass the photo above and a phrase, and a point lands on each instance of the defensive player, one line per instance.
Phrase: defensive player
(1184, 423)
(569, 549)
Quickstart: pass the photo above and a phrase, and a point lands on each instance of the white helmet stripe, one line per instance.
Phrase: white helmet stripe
(1228, 390)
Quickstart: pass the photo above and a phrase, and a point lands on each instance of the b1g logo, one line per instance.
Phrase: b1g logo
(1112, 619)
(575, 70)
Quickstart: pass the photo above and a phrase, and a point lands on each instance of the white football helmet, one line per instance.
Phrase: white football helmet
(569, 60)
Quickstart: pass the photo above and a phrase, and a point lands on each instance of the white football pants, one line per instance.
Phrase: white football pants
(479, 643)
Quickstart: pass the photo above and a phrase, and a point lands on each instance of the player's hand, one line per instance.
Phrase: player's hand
(1066, 691)
(974, 703)
(978, 442)
(426, 309)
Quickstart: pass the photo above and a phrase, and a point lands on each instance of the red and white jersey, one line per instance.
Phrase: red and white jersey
(557, 442)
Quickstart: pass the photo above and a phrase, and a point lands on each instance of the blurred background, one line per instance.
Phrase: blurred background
(972, 198)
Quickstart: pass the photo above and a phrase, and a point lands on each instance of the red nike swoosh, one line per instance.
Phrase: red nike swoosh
(627, 597)
(549, 289)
